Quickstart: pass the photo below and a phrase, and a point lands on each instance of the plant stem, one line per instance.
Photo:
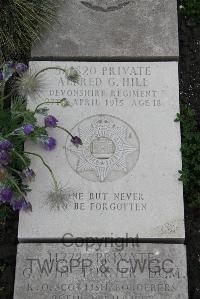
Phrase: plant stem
(47, 166)
(2, 95)
(59, 127)
(7, 96)
(16, 186)
(49, 68)
(16, 171)
(21, 158)
(57, 102)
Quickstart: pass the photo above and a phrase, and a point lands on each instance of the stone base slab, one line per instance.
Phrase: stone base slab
(106, 271)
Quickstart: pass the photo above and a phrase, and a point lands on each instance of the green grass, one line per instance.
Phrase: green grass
(190, 148)
(21, 22)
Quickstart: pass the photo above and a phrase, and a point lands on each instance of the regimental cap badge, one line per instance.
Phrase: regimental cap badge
(102, 148)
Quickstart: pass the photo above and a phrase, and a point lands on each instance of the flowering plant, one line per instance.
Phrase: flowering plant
(19, 124)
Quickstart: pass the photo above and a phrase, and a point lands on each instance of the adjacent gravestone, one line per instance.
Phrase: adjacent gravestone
(112, 29)
(106, 271)
(123, 181)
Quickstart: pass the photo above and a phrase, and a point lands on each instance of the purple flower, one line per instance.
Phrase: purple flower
(5, 145)
(21, 204)
(76, 141)
(1, 76)
(11, 65)
(5, 195)
(49, 144)
(21, 68)
(28, 129)
(50, 121)
(29, 174)
(4, 158)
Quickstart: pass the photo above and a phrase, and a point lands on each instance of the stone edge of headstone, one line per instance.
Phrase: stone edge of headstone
(121, 58)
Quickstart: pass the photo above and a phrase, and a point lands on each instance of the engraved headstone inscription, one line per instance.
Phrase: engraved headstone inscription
(111, 29)
(123, 180)
(101, 270)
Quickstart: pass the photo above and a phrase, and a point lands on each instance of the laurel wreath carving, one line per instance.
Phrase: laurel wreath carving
(105, 9)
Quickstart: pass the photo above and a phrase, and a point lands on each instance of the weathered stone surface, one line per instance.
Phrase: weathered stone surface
(123, 181)
(111, 29)
(106, 271)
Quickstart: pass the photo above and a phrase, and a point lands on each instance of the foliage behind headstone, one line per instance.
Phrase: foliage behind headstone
(191, 10)
(190, 148)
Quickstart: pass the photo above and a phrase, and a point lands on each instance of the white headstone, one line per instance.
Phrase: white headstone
(123, 180)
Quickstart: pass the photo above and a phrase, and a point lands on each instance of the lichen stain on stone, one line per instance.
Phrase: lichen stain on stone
(169, 228)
